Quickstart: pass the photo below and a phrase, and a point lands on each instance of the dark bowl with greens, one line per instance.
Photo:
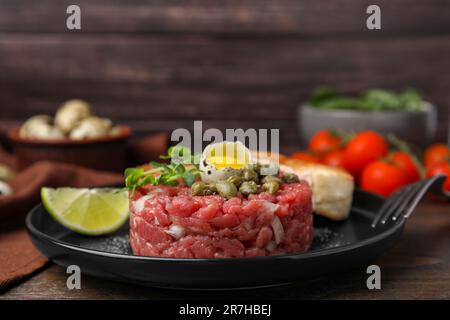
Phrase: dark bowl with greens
(404, 114)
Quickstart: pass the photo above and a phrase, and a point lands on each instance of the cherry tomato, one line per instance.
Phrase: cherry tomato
(383, 178)
(324, 141)
(364, 148)
(335, 159)
(305, 156)
(436, 153)
(405, 161)
(440, 168)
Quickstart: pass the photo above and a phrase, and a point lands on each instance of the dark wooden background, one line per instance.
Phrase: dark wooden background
(158, 65)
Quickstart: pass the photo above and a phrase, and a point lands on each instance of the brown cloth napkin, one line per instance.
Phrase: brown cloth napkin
(18, 257)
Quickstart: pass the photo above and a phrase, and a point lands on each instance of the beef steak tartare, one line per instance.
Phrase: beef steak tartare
(169, 221)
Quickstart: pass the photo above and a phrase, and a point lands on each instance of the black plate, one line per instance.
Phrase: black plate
(337, 246)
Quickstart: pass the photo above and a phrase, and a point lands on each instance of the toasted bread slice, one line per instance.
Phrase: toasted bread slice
(332, 188)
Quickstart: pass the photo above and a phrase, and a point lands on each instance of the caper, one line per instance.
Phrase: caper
(250, 175)
(235, 179)
(226, 189)
(290, 178)
(248, 187)
(271, 178)
(270, 186)
(210, 189)
(198, 188)
(257, 167)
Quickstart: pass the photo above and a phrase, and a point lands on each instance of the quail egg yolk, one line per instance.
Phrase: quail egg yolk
(227, 155)
(224, 162)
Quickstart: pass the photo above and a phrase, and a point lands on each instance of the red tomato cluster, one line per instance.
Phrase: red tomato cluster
(437, 161)
(362, 149)
(366, 156)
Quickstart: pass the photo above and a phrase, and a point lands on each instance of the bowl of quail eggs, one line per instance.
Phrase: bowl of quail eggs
(74, 135)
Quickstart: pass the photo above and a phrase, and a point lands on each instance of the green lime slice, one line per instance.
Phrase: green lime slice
(87, 211)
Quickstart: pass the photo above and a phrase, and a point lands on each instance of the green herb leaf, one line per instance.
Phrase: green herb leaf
(150, 179)
(370, 100)
(178, 154)
(189, 178)
(322, 93)
(132, 176)
(180, 169)
(155, 164)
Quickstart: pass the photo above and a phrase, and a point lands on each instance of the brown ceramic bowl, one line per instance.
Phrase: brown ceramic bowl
(106, 153)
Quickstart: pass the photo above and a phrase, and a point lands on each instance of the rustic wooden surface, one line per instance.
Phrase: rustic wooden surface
(247, 17)
(158, 65)
(418, 267)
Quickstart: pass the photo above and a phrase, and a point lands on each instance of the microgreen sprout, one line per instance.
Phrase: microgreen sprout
(182, 168)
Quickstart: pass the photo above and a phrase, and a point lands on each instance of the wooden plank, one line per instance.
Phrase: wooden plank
(259, 17)
(417, 268)
(203, 62)
(137, 101)
(188, 77)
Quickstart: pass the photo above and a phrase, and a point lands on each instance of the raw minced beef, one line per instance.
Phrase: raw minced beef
(170, 222)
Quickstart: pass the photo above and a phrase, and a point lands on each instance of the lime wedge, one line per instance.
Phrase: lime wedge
(87, 211)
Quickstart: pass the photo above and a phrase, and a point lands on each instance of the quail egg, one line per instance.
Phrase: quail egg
(222, 160)
(71, 113)
(6, 173)
(5, 189)
(40, 127)
(92, 127)
(115, 131)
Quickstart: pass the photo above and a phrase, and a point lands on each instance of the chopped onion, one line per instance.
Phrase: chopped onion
(278, 231)
(271, 246)
(139, 204)
(176, 231)
(248, 224)
(270, 206)
(133, 223)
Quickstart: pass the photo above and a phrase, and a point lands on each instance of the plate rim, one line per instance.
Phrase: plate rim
(33, 231)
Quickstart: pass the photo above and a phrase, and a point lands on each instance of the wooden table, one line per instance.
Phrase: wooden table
(417, 268)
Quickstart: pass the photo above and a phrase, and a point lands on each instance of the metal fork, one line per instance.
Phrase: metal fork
(403, 202)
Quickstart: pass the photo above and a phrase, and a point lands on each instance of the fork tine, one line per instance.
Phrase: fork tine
(389, 205)
(410, 196)
(405, 195)
(436, 180)
(406, 199)
(436, 186)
